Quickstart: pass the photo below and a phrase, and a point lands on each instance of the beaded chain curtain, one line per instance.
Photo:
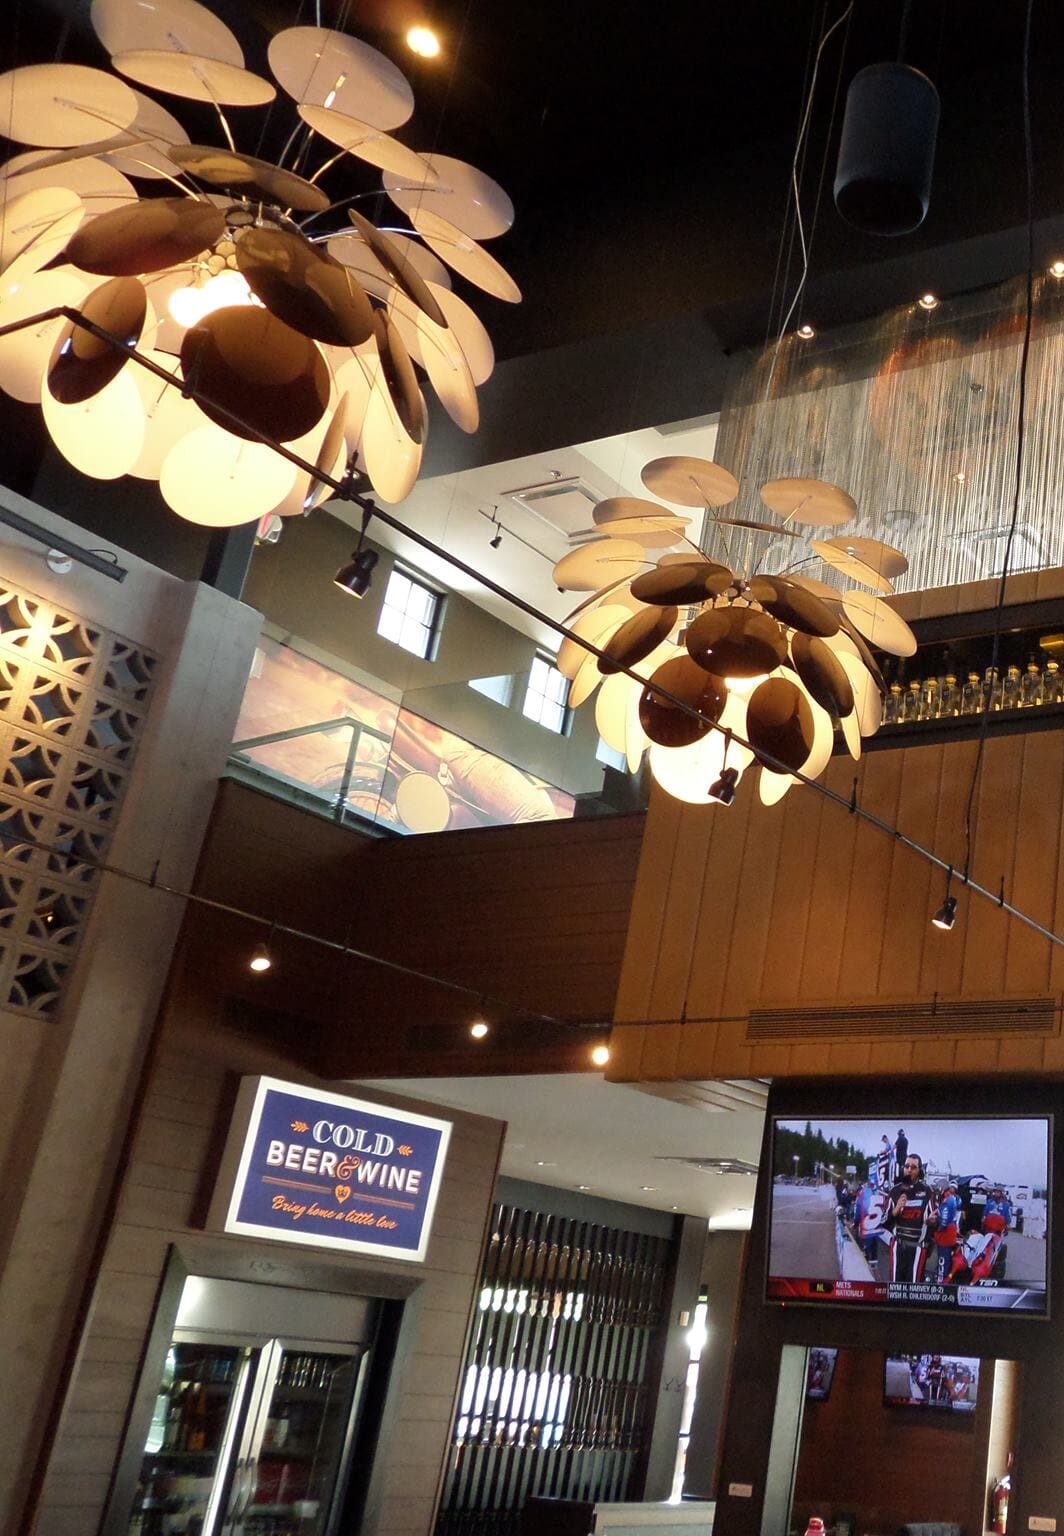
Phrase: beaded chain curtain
(914, 415)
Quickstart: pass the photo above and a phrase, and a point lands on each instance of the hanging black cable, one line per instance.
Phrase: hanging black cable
(1021, 412)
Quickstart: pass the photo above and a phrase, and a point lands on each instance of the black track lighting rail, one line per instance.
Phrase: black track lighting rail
(344, 490)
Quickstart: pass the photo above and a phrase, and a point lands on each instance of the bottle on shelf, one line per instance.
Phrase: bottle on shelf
(929, 701)
(991, 689)
(972, 695)
(1031, 687)
(1052, 683)
(195, 1421)
(1011, 689)
(949, 697)
(892, 705)
(910, 706)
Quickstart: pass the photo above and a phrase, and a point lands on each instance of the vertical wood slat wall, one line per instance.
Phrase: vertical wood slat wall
(174, 1148)
(801, 904)
(554, 1400)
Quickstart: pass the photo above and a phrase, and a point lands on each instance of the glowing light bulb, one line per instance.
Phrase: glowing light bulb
(189, 305)
(478, 1029)
(1057, 269)
(600, 1055)
(806, 332)
(423, 41)
(928, 301)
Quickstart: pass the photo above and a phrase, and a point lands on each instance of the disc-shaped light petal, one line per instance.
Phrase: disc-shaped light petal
(779, 724)
(690, 482)
(879, 623)
(248, 176)
(168, 414)
(102, 437)
(462, 254)
(651, 532)
(181, 25)
(459, 193)
(868, 701)
(146, 237)
(24, 354)
(821, 671)
(686, 773)
(99, 184)
(793, 605)
(596, 626)
(868, 561)
(637, 637)
(252, 373)
(772, 787)
(467, 329)
(152, 133)
(814, 503)
(391, 456)
(851, 734)
(34, 227)
(311, 293)
(195, 77)
(62, 104)
(592, 565)
(323, 68)
(397, 375)
(217, 480)
(398, 266)
(736, 642)
(701, 700)
(612, 710)
(355, 253)
(368, 143)
(683, 581)
(82, 363)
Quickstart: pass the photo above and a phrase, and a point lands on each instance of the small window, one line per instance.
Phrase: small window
(410, 615)
(609, 757)
(547, 696)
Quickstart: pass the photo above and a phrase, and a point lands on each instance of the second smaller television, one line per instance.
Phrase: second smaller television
(820, 1372)
(945, 1382)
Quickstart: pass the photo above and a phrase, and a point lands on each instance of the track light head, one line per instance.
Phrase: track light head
(723, 789)
(496, 541)
(946, 915)
(260, 960)
(356, 577)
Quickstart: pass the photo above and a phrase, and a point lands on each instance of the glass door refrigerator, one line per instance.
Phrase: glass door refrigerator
(249, 1438)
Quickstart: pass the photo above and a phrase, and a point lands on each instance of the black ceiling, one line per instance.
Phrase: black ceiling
(647, 146)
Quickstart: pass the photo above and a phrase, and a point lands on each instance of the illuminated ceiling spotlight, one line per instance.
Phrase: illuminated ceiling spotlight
(1056, 269)
(946, 915)
(356, 576)
(479, 1029)
(805, 331)
(261, 959)
(423, 41)
(600, 1055)
(928, 301)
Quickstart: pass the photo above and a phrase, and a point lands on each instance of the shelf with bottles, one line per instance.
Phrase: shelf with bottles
(944, 689)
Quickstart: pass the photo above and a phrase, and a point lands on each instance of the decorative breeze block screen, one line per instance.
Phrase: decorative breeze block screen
(72, 701)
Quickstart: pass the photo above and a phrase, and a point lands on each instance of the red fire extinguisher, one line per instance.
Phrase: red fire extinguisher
(999, 1501)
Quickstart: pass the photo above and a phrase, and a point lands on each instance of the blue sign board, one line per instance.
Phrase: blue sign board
(334, 1172)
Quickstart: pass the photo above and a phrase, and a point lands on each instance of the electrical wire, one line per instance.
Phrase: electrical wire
(344, 491)
(796, 192)
(1021, 412)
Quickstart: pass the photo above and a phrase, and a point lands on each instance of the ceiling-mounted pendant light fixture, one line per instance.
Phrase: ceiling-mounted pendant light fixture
(887, 149)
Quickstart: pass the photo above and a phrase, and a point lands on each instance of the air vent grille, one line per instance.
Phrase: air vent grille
(995, 1016)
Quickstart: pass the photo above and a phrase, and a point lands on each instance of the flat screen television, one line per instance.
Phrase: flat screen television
(819, 1373)
(949, 1383)
(949, 1213)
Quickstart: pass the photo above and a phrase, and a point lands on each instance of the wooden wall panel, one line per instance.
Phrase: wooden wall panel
(803, 905)
(534, 916)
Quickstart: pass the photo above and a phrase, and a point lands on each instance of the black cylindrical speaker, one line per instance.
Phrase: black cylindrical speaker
(887, 150)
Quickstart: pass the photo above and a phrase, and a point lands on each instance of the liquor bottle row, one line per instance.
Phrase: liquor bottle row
(952, 693)
(306, 1371)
